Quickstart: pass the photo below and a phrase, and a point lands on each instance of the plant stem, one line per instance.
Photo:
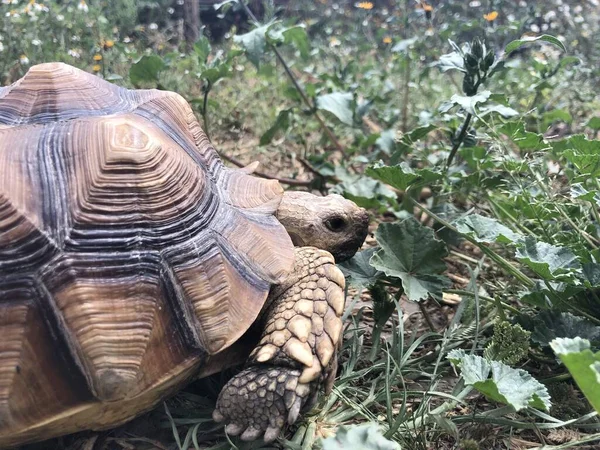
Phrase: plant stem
(482, 297)
(459, 140)
(296, 84)
(207, 89)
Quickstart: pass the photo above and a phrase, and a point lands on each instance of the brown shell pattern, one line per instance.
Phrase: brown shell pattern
(125, 244)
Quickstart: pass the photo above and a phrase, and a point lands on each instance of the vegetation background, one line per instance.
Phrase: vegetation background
(469, 129)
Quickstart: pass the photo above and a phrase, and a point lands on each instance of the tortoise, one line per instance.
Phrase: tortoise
(132, 261)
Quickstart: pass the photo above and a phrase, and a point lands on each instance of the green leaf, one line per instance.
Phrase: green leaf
(363, 190)
(386, 141)
(418, 133)
(146, 70)
(297, 36)
(583, 364)
(359, 437)
(404, 45)
(409, 251)
(486, 230)
(451, 61)
(358, 271)
(549, 325)
(504, 111)
(468, 103)
(202, 49)
(402, 175)
(254, 43)
(501, 383)
(594, 123)
(546, 260)
(525, 140)
(583, 153)
(512, 46)
(557, 115)
(282, 123)
(339, 104)
(578, 191)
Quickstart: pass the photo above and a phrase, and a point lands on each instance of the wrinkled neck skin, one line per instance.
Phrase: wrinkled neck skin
(330, 223)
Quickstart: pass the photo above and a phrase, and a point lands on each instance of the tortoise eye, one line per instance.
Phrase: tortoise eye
(335, 224)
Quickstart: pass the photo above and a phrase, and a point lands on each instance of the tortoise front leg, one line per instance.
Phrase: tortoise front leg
(296, 354)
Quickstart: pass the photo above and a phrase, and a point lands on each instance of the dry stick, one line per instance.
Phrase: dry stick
(291, 76)
(290, 181)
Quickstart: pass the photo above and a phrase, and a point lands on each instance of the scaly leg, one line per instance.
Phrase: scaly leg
(296, 354)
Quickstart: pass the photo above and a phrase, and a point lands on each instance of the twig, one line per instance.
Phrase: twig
(204, 107)
(459, 140)
(290, 181)
(291, 76)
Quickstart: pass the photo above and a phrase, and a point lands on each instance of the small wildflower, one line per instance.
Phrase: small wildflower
(387, 40)
(10, 2)
(96, 67)
(334, 42)
(74, 53)
(97, 57)
(60, 17)
(490, 17)
(108, 44)
(83, 6)
(1, 47)
(36, 42)
(153, 26)
(365, 5)
(127, 39)
(24, 60)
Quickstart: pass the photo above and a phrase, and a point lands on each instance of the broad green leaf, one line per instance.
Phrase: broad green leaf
(469, 103)
(557, 115)
(525, 140)
(546, 260)
(549, 325)
(583, 364)
(486, 230)
(583, 153)
(359, 437)
(512, 46)
(501, 383)
(594, 123)
(581, 193)
(409, 251)
(297, 36)
(591, 274)
(418, 133)
(363, 190)
(386, 141)
(202, 49)
(358, 271)
(339, 104)
(451, 61)
(254, 43)
(282, 123)
(402, 175)
(146, 70)
(542, 297)
(404, 45)
(504, 111)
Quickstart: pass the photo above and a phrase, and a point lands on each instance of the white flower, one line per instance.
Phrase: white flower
(24, 60)
(127, 39)
(170, 10)
(1, 47)
(10, 2)
(36, 42)
(60, 17)
(153, 26)
(83, 6)
(74, 53)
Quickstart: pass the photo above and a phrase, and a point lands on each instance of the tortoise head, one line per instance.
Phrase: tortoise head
(330, 223)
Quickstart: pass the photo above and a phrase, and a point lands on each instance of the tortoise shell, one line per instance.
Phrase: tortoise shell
(128, 251)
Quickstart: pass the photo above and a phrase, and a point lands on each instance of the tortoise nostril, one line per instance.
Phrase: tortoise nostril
(335, 224)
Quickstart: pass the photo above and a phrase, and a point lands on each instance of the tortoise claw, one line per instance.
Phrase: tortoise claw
(260, 400)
